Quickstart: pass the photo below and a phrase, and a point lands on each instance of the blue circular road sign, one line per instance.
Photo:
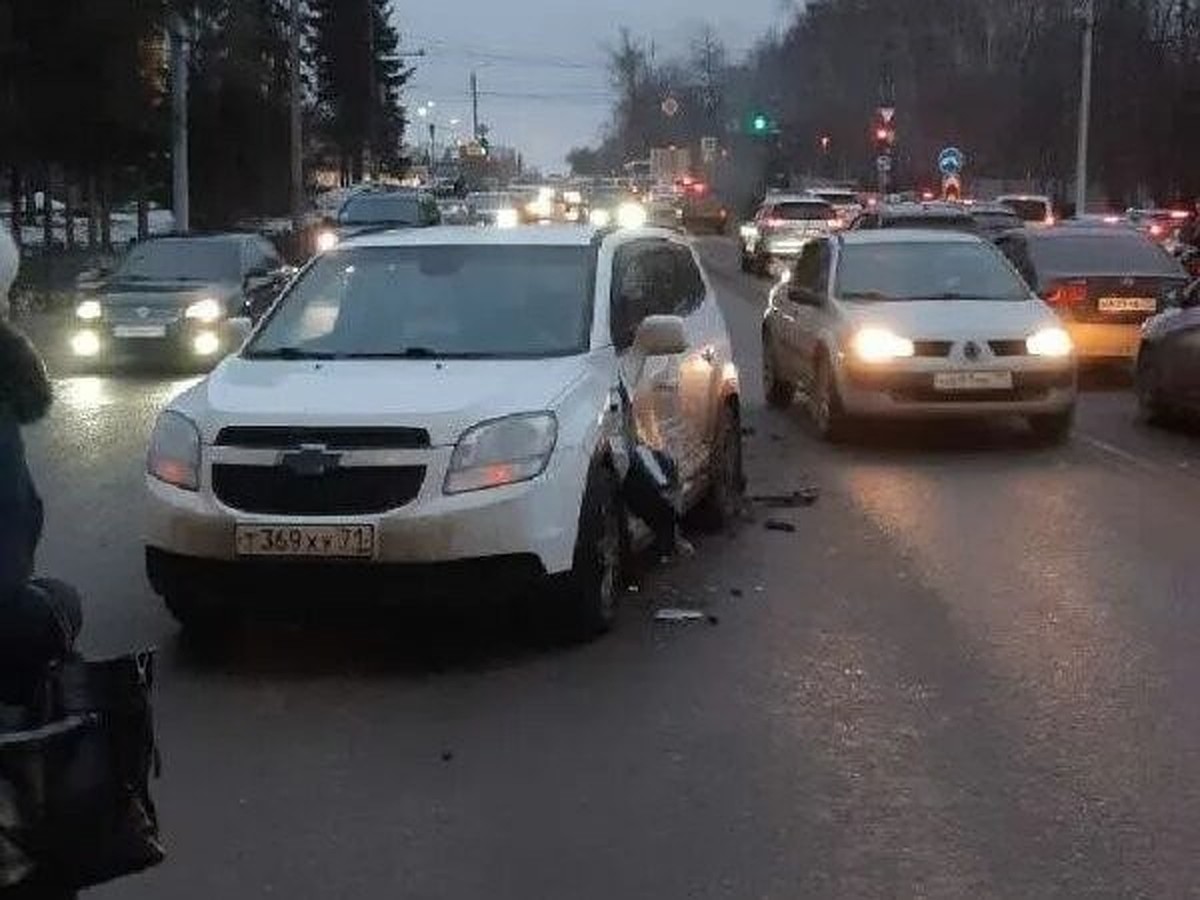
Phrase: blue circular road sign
(951, 161)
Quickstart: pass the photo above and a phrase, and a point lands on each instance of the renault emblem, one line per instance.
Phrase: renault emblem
(143, 312)
(971, 350)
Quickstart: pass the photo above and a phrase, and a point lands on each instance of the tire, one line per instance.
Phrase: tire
(825, 405)
(1053, 428)
(779, 392)
(1151, 409)
(726, 480)
(587, 595)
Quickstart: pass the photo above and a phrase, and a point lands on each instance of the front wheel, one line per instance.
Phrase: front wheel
(1150, 405)
(780, 392)
(1053, 428)
(825, 404)
(726, 481)
(588, 593)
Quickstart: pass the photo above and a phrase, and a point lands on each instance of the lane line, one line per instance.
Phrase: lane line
(1132, 459)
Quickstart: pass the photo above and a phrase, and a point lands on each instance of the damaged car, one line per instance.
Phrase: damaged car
(447, 408)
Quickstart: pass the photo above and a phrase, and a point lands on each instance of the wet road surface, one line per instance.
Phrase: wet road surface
(971, 670)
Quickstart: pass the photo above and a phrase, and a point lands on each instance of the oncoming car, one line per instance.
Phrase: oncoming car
(915, 324)
(446, 407)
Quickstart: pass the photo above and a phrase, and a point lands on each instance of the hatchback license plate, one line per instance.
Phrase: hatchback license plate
(139, 331)
(328, 541)
(1127, 304)
(973, 381)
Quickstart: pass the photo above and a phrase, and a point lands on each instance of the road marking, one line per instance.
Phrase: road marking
(1113, 450)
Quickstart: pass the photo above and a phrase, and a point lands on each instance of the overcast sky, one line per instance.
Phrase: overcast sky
(542, 79)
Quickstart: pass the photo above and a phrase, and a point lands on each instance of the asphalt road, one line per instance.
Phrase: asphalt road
(970, 671)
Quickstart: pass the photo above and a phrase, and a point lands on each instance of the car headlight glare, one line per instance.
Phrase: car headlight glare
(174, 455)
(631, 215)
(207, 310)
(89, 310)
(326, 241)
(748, 232)
(508, 218)
(206, 344)
(503, 451)
(85, 343)
(1050, 341)
(601, 218)
(875, 345)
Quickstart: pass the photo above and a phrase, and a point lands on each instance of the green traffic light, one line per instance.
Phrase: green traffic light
(760, 122)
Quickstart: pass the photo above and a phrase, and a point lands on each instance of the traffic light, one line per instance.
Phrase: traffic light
(760, 123)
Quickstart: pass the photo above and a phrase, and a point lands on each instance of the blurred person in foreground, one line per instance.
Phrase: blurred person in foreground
(39, 619)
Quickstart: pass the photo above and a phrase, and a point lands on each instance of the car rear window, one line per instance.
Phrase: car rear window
(926, 270)
(1028, 210)
(1118, 252)
(436, 302)
(997, 221)
(400, 210)
(803, 212)
(945, 223)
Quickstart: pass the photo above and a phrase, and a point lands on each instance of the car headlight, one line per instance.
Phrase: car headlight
(174, 455)
(206, 343)
(1050, 342)
(85, 343)
(326, 241)
(601, 218)
(874, 345)
(503, 451)
(508, 218)
(748, 232)
(89, 310)
(631, 215)
(207, 310)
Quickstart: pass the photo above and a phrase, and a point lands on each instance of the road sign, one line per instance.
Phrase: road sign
(887, 113)
(708, 148)
(951, 161)
(884, 164)
(670, 107)
(951, 187)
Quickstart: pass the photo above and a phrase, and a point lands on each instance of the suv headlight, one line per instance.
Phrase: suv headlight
(207, 310)
(89, 310)
(1050, 342)
(503, 451)
(174, 455)
(875, 345)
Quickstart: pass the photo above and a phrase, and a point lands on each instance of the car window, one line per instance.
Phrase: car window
(1015, 250)
(261, 256)
(437, 301)
(1028, 210)
(1115, 252)
(397, 209)
(951, 223)
(807, 273)
(804, 212)
(688, 282)
(644, 284)
(926, 270)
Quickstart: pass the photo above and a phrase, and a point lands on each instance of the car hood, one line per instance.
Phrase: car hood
(344, 232)
(163, 293)
(954, 319)
(443, 397)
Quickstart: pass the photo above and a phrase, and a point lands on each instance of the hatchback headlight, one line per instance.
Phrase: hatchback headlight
(326, 241)
(1050, 342)
(631, 215)
(89, 310)
(174, 455)
(207, 310)
(503, 451)
(876, 345)
(600, 218)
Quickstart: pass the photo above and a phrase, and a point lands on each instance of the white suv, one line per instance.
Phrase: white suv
(443, 407)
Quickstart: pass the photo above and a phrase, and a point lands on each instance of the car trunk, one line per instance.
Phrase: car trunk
(1109, 299)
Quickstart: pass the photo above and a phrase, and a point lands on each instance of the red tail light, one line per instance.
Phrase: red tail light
(834, 223)
(1067, 293)
(774, 223)
(1156, 230)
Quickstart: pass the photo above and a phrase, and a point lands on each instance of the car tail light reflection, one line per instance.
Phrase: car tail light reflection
(1067, 293)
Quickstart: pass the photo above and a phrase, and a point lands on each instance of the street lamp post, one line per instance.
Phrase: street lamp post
(1085, 108)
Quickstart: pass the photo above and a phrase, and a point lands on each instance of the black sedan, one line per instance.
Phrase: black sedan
(1168, 365)
(173, 299)
(373, 209)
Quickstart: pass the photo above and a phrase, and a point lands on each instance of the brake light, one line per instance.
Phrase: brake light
(774, 223)
(1180, 214)
(698, 187)
(1067, 293)
(1156, 230)
(1049, 220)
(834, 223)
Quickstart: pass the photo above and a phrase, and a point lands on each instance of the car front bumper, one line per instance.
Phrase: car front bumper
(903, 392)
(133, 340)
(537, 519)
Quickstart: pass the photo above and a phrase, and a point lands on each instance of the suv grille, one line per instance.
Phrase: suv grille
(273, 437)
(1008, 348)
(355, 490)
(932, 348)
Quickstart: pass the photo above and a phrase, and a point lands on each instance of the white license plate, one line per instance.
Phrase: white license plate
(973, 381)
(139, 331)
(1127, 304)
(327, 541)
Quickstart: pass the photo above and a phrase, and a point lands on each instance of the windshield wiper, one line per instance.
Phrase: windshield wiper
(954, 295)
(414, 353)
(290, 353)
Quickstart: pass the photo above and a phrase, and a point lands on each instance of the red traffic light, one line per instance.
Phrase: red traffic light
(881, 134)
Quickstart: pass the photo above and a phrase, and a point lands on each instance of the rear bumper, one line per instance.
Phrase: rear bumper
(1098, 341)
(910, 394)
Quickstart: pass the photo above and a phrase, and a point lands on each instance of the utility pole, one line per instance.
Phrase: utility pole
(178, 35)
(297, 136)
(474, 106)
(1085, 108)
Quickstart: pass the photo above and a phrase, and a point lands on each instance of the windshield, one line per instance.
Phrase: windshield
(939, 223)
(199, 260)
(841, 198)
(929, 270)
(389, 209)
(449, 301)
(803, 212)
(1118, 252)
(1028, 210)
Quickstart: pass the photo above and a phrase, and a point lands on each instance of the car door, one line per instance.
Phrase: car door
(1179, 356)
(701, 367)
(804, 302)
(643, 284)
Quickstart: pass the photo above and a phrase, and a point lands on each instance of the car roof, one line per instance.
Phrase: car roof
(907, 236)
(521, 236)
(844, 191)
(991, 208)
(795, 198)
(1086, 229)
(932, 209)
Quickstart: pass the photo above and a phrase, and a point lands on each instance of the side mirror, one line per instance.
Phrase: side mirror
(661, 336)
(239, 330)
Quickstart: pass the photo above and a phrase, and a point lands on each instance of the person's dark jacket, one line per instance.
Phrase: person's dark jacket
(30, 633)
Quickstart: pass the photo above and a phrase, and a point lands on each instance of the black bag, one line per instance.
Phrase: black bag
(74, 793)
